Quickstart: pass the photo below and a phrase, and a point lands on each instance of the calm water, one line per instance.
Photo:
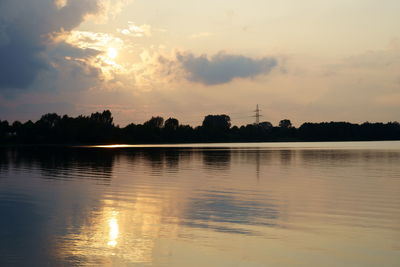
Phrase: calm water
(283, 204)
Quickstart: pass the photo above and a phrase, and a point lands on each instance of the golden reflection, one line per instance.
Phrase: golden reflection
(142, 220)
(127, 230)
(114, 230)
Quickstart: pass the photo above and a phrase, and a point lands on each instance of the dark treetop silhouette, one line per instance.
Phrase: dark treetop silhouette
(99, 128)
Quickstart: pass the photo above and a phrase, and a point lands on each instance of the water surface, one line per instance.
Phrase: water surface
(255, 204)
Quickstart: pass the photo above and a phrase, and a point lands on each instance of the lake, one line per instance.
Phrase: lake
(253, 204)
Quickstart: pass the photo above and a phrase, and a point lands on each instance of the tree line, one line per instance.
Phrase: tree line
(100, 128)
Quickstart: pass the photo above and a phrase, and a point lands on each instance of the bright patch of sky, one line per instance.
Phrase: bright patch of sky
(313, 60)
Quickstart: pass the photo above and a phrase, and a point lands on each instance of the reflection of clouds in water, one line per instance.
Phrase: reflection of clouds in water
(223, 212)
(131, 199)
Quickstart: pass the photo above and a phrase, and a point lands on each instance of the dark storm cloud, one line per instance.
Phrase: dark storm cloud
(223, 68)
(25, 27)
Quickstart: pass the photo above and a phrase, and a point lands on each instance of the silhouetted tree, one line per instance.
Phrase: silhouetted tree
(217, 122)
(154, 123)
(285, 124)
(266, 125)
(215, 127)
(171, 124)
(103, 118)
(49, 121)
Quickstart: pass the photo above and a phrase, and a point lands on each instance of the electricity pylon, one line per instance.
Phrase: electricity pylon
(257, 115)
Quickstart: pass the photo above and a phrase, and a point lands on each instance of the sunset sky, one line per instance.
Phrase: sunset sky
(312, 60)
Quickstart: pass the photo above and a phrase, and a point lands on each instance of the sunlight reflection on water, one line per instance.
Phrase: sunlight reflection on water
(194, 206)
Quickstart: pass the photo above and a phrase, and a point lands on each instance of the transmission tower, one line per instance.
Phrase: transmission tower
(257, 115)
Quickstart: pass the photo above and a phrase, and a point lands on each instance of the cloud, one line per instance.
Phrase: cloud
(223, 68)
(159, 67)
(101, 50)
(93, 40)
(27, 35)
(136, 31)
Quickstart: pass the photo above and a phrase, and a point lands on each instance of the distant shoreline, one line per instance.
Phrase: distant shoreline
(98, 128)
(175, 145)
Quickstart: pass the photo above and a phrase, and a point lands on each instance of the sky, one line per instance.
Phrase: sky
(307, 61)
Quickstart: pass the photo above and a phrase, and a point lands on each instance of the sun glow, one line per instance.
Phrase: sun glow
(106, 48)
(110, 146)
(112, 53)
